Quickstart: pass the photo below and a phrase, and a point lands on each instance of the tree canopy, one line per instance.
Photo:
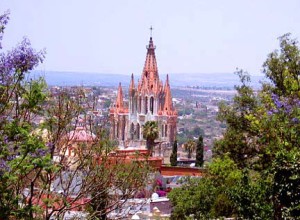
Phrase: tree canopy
(150, 133)
(190, 147)
(173, 157)
(43, 172)
(199, 152)
(255, 170)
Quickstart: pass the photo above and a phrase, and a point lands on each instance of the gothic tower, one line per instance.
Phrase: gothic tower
(149, 100)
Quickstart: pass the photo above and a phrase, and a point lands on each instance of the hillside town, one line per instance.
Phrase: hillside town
(185, 116)
(148, 149)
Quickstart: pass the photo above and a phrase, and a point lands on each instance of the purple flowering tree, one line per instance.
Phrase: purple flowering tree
(282, 98)
(43, 173)
(21, 161)
(263, 137)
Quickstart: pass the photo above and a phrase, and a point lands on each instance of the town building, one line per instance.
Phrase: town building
(149, 100)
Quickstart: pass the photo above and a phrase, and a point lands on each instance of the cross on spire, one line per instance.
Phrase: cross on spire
(151, 28)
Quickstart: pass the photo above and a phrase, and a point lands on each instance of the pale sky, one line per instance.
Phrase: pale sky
(191, 36)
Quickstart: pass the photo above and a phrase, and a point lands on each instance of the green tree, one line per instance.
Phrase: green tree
(38, 178)
(282, 67)
(173, 157)
(207, 197)
(22, 155)
(239, 125)
(251, 196)
(286, 184)
(193, 200)
(190, 147)
(262, 136)
(150, 133)
(282, 100)
(197, 131)
(255, 169)
(199, 152)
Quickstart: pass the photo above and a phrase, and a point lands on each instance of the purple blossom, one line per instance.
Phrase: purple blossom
(288, 108)
(272, 112)
(50, 146)
(295, 120)
(5, 139)
(22, 58)
(39, 153)
(278, 103)
(275, 97)
(11, 157)
(287, 105)
(4, 166)
(18, 61)
(3, 22)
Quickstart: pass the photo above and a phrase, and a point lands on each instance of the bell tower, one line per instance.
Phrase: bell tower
(149, 100)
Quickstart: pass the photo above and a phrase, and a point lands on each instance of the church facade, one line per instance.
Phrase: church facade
(149, 100)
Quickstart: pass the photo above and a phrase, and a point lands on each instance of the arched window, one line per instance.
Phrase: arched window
(132, 104)
(118, 124)
(131, 131)
(151, 104)
(172, 133)
(166, 130)
(140, 104)
(162, 130)
(146, 105)
(138, 131)
(123, 130)
(114, 128)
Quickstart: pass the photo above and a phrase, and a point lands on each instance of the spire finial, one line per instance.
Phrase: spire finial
(151, 29)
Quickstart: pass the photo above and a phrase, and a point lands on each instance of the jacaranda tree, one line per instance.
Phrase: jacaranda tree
(38, 178)
(260, 145)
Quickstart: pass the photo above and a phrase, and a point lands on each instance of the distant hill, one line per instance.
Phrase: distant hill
(209, 80)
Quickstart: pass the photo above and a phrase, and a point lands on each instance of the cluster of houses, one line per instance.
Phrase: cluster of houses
(149, 100)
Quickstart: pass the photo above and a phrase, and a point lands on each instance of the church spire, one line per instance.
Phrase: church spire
(167, 84)
(131, 86)
(150, 71)
(151, 29)
(168, 106)
(119, 103)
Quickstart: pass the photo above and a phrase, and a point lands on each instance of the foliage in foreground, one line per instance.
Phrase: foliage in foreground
(255, 171)
(43, 173)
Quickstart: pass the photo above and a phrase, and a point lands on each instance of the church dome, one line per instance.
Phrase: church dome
(81, 134)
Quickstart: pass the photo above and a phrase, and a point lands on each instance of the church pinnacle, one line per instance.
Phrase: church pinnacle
(168, 106)
(119, 103)
(150, 71)
(131, 86)
(148, 100)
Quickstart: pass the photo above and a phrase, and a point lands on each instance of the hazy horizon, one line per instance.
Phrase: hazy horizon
(110, 36)
(218, 80)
